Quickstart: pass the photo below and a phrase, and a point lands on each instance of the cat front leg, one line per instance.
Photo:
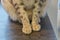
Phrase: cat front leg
(25, 21)
(35, 18)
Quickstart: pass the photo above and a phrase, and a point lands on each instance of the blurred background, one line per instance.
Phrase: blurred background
(58, 20)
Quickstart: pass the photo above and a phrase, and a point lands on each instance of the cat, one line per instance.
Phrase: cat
(25, 11)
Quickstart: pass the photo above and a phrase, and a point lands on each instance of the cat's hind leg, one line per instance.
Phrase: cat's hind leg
(10, 9)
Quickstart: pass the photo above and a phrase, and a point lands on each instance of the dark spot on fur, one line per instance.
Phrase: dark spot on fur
(39, 12)
(15, 4)
(42, 0)
(33, 7)
(18, 12)
(17, 8)
(11, 1)
(40, 5)
(22, 3)
(30, 21)
(35, 1)
(25, 8)
(21, 16)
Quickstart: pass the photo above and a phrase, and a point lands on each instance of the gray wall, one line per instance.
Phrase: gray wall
(52, 13)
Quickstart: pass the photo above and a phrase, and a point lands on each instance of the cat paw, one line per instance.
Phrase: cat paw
(27, 30)
(36, 27)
